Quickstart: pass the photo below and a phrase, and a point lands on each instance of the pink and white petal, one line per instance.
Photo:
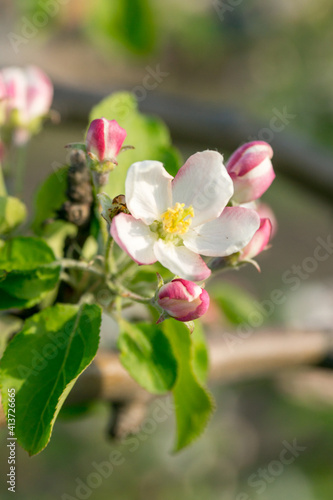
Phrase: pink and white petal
(259, 241)
(15, 82)
(248, 156)
(181, 261)
(204, 183)
(148, 190)
(254, 183)
(39, 92)
(96, 138)
(135, 238)
(2, 88)
(265, 212)
(115, 138)
(225, 235)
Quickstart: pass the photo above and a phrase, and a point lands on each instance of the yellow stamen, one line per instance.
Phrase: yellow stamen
(177, 220)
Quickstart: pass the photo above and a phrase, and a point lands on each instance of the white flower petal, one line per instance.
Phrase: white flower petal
(228, 234)
(181, 261)
(148, 190)
(204, 183)
(135, 238)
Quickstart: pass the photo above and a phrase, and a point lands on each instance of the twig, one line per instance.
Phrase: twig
(80, 266)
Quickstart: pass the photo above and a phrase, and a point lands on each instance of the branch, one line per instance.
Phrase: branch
(266, 352)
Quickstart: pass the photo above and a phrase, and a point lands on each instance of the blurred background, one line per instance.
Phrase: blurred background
(220, 73)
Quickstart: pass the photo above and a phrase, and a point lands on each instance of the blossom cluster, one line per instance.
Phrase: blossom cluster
(208, 210)
(208, 215)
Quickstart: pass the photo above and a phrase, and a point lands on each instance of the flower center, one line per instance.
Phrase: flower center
(178, 219)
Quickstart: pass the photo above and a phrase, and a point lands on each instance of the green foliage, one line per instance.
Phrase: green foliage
(193, 404)
(39, 8)
(236, 304)
(133, 25)
(200, 353)
(27, 275)
(12, 213)
(131, 22)
(164, 358)
(42, 363)
(8, 326)
(56, 233)
(146, 354)
(147, 134)
(146, 279)
(49, 198)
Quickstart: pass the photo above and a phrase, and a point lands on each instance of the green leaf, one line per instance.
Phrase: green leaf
(49, 198)
(146, 353)
(12, 213)
(133, 25)
(8, 326)
(200, 353)
(144, 280)
(171, 159)
(236, 304)
(147, 134)
(38, 9)
(30, 272)
(42, 363)
(56, 234)
(131, 22)
(193, 403)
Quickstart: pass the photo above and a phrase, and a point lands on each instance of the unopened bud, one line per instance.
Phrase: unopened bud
(183, 300)
(251, 170)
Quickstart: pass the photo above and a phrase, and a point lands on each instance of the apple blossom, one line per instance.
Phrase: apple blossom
(175, 220)
(259, 241)
(183, 300)
(28, 98)
(104, 141)
(251, 170)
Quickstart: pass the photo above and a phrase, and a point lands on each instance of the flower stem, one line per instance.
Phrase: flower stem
(81, 266)
(110, 264)
(3, 190)
(127, 294)
(21, 157)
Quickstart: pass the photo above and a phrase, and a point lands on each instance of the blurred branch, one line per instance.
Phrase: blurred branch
(209, 125)
(263, 353)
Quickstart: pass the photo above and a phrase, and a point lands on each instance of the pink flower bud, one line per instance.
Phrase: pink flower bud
(105, 139)
(259, 241)
(183, 300)
(265, 212)
(251, 170)
(28, 97)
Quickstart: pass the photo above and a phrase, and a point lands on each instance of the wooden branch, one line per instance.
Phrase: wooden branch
(267, 352)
